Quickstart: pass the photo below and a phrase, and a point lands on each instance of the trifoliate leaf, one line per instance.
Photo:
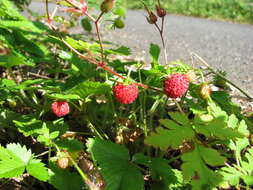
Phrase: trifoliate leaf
(173, 137)
(195, 169)
(14, 159)
(117, 170)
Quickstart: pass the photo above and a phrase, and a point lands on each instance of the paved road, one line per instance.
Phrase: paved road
(223, 45)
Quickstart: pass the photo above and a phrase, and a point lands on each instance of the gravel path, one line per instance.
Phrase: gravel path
(223, 45)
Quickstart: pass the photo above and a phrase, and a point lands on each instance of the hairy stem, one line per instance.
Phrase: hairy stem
(99, 36)
(163, 41)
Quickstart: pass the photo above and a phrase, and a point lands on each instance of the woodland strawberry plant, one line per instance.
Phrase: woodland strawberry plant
(74, 114)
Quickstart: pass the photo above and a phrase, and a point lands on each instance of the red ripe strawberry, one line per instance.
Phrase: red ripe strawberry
(125, 94)
(60, 108)
(176, 85)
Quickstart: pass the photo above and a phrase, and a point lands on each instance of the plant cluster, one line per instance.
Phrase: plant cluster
(75, 115)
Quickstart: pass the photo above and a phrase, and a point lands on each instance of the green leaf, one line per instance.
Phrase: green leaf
(232, 121)
(14, 159)
(217, 112)
(9, 61)
(173, 137)
(8, 11)
(28, 125)
(217, 128)
(37, 169)
(195, 170)
(25, 25)
(122, 50)
(120, 11)
(248, 179)
(211, 156)
(238, 144)
(154, 52)
(231, 175)
(6, 83)
(64, 96)
(180, 118)
(160, 169)
(79, 44)
(84, 68)
(65, 55)
(249, 157)
(243, 128)
(46, 136)
(24, 154)
(10, 164)
(63, 179)
(7, 117)
(89, 88)
(223, 98)
(117, 170)
(242, 171)
(71, 145)
(46, 131)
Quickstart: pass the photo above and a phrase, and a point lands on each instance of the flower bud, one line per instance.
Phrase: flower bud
(106, 6)
(161, 12)
(205, 91)
(152, 19)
